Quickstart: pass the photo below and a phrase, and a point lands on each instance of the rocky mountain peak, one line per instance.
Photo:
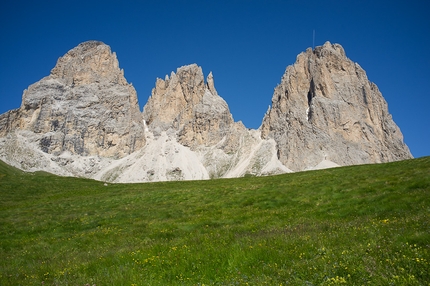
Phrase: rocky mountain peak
(89, 62)
(325, 108)
(84, 107)
(329, 49)
(185, 104)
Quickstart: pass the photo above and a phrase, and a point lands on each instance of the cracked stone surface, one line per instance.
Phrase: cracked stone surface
(85, 107)
(84, 120)
(325, 108)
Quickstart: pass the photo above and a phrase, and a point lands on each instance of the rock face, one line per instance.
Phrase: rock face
(84, 120)
(193, 108)
(325, 109)
(191, 111)
(85, 107)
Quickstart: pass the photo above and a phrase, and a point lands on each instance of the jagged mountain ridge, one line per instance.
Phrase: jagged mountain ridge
(84, 120)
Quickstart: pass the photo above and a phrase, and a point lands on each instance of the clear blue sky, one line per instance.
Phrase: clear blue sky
(246, 44)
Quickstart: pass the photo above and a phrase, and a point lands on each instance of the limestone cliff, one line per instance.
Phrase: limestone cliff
(188, 105)
(325, 108)
(193, 114)
(84, 120)
(85, 107)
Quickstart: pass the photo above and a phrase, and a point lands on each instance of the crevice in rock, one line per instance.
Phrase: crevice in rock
(363, 90)
(311, 92)
(311, 95)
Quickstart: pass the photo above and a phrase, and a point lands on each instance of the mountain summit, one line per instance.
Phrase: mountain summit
(84, 120)
(192, 107)
(325, 109)
(84, 107)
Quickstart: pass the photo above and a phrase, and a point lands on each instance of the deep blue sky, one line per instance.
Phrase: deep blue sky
(246, 44)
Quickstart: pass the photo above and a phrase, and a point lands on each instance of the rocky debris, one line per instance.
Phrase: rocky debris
(253, 156)
(162, 159)
(85, 106)
(325, 109)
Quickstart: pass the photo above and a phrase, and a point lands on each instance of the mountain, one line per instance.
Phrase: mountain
(325, 109)
(193, 108)
(84, 120)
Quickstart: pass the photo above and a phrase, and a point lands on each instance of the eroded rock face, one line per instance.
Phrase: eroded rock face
(185, 104)
(84, 120)
(191, 111)
(325, 108)
(85, 107)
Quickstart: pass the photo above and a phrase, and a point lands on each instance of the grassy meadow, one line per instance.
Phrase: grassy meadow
(359, 225)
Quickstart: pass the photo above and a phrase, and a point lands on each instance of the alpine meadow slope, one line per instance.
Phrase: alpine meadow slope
(84, 120)
(354, 225)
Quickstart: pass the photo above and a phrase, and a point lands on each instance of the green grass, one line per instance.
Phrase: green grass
(355, 225)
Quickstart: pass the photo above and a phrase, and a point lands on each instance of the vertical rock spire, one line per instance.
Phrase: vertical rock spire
(189, 106)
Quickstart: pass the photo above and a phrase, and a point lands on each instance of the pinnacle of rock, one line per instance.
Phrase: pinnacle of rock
(186, 104)
(325, 108)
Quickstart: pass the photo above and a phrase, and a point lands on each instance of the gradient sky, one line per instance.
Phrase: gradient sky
(246, 44)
